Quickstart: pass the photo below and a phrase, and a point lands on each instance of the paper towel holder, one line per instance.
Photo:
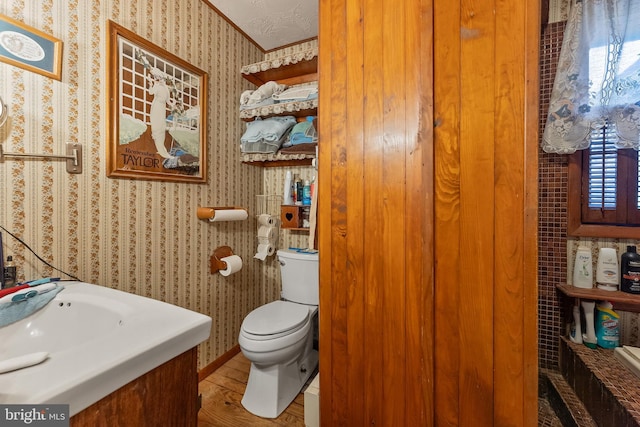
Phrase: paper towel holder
(216, 263)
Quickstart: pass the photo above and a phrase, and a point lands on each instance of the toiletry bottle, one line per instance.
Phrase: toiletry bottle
(607, 270)
(299, 190)
(288, 197)
(607, 330)
(294, 189)
(630, 271)
(305, 217)
(589, 337)
(576, 327)
(306, 193)
(2, 286)
(583, 268)
(10, 272)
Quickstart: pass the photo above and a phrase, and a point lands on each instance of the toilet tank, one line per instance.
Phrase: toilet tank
(300, 276)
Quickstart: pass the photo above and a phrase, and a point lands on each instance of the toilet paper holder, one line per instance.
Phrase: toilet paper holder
(216, 263)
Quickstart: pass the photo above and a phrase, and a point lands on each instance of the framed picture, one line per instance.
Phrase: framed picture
(30, 49)
(157, 112)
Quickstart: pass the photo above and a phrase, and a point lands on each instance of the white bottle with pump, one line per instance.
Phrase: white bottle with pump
(583, 268)
(607, 270)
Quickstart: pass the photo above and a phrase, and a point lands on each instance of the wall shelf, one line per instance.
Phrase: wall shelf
(292, 217)
(277, 159)
(292, 69)
(620, 300)
(295, 108)
(297, 68)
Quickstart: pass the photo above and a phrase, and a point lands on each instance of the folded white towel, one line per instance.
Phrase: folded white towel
(266, 91)
(297, 93)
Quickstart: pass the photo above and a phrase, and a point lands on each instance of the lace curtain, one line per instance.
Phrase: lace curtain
(598, 77)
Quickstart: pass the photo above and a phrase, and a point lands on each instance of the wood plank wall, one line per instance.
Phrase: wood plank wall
(427, 236)
(486, 87)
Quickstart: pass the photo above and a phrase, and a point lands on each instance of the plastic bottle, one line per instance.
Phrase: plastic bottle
(607, 329)
(576, 328)
(288, 197)
(583, 268)
(313, 185)
(630, 271)
(10, 272)
(298, 185)
(306, 193)
(1, 264)
(589, 337)
(607, 270)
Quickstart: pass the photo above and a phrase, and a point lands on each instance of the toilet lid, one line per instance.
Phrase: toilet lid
(275, 318)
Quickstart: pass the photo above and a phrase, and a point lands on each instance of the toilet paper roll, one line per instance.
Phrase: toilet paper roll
(266, 233)
(267, 220)
(264, 250)
(234, 264)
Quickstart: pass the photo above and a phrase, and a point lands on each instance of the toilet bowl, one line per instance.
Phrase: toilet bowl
(278, 338)
(275, 333)
(281, 360)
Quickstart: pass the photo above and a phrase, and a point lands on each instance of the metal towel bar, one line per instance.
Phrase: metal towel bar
(73, 156)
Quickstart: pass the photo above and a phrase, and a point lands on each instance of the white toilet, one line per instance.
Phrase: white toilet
(278, 338)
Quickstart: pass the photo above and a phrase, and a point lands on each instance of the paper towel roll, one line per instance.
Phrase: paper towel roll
(234, 264)
(216, 214)
(229, 215)
(264, 250)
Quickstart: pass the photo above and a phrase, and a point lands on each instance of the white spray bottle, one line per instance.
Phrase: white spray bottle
(589, 338)
(576, 332)
(287, 196)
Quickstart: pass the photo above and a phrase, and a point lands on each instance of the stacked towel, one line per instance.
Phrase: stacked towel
(25, 302)
(266, 135)
(261, 96)
(302, 133)
(298, 93)
(273, 93)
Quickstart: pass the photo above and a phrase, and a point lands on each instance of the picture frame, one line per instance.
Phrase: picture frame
(29, 48)
(157, 112)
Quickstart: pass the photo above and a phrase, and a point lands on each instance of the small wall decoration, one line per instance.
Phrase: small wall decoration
(157, 112)
(29, 48)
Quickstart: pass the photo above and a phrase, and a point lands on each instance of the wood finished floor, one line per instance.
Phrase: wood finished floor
(221, 395)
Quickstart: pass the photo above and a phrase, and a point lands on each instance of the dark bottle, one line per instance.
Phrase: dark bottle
(9, 272)
(630, 271)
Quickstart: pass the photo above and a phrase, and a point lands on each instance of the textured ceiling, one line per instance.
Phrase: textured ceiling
(272, 23)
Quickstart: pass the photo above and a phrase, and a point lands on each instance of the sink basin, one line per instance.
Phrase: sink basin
(98, 339)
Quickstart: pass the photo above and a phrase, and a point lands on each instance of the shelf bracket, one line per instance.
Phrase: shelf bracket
(73, 157)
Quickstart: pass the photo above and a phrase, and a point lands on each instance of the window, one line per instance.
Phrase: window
(604, 191)
(598, 86)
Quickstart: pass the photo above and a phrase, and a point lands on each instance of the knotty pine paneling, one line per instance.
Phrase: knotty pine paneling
(375, 196)
(428, 254)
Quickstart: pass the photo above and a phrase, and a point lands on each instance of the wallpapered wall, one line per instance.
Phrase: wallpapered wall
(138, 236)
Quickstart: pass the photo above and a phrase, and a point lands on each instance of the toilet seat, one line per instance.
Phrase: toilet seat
(274, 320)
